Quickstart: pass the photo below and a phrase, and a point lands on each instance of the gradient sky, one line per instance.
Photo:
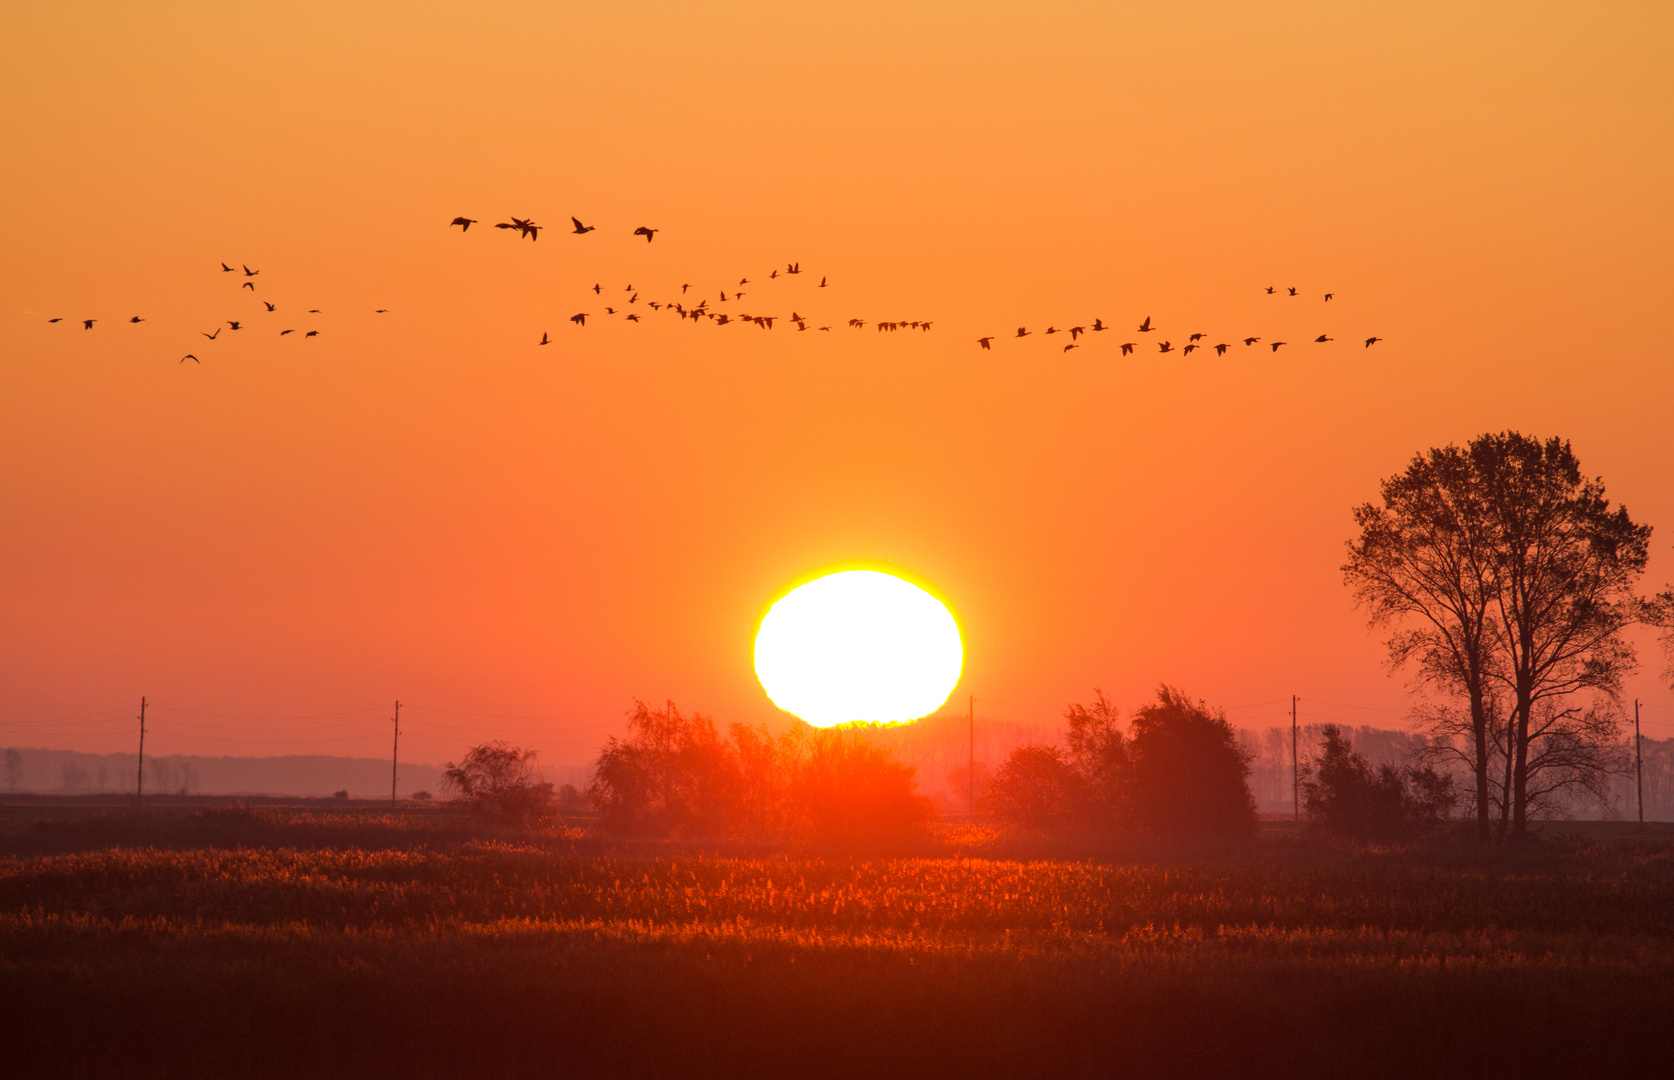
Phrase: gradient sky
(517, 541)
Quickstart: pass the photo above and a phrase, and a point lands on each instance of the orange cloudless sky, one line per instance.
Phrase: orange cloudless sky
(275, 542)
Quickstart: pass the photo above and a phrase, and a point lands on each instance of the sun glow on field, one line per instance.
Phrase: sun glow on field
(858, 645)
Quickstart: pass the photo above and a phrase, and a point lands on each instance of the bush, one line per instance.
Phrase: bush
(1185, 771)
(1343, 795)
(1036, 788)
(845, 787)
(670, 776)
(500, 781)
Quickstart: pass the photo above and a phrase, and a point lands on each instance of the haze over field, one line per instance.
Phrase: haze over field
(517, 541)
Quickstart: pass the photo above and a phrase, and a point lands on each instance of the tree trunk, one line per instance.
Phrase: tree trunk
(1479, 728)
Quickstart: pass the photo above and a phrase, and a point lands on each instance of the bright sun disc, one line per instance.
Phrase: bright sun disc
(858, 645)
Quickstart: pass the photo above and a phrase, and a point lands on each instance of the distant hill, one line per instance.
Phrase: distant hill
(70, 772)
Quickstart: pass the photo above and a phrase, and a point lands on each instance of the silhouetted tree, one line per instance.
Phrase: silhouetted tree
(1099, 756)
(670, 776)
(1344, 795)
(14, 767)
(845, 787)
(1509, 577)
(1186, 772)
(1036, 788)
(501, 782)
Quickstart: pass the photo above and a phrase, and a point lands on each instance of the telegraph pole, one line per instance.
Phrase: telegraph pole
(970, 767)
(139, 779)
(1638, 766)
(1295, 771)
(394, 753)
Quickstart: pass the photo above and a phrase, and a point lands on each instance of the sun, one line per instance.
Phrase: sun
(858, 645)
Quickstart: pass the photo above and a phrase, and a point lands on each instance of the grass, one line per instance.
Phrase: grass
(422, 949)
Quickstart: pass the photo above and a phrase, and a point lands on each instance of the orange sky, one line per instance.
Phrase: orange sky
(425, 505)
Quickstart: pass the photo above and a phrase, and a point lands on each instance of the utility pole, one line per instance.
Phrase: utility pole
(394, 753)
(1295, 770)
(139, 779)
(1638, 766)
(970, 767)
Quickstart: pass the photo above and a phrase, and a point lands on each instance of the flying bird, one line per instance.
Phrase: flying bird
(381, 311)
(87, 324)
(1251, 340)
(793, 268)
(1075, 332)
(312, 333)
(595, 288)
(313, 311)
(1165, 347)
(1220, 350)
(217, 334)
(580, 229)
(227, 269)
(464, 223)
(269, 306)
(743, 281)
(1127, 347)
(646, 232)
(579, 318)
(136, 318)
(1098, 324)
(1198, 337)
(59, 319)
(1372, 341)
(282, 333)
(190, 357)
(773, 275)
(1187, 351)
(1293, 290)
(1328, 297)
(1270, 290)
(251, 285)
(822, 283)
(249, 272)
(232, 325)
(632, 317)
(1145, 327)
(1322, 339)
(1051, 330)
(683, 289)
(544, 339)
(1022, 331)
(983, 341)
(1276, 345)
(610, 311)
(1071, 345)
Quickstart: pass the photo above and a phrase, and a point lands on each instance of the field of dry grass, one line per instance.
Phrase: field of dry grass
(291, 941)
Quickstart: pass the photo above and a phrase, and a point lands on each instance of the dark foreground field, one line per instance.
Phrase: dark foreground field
(286, 941)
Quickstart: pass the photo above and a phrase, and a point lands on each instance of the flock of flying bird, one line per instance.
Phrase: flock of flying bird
(630, 310)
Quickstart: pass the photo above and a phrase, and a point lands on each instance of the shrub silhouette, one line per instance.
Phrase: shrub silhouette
(1344, 795)
(500, 781)
(674, 775)
(1099, 754)
(1037, 788)
(1185, 771)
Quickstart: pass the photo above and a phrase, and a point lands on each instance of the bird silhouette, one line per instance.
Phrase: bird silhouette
(1276, 345)
(282, 333)
(190, 357)
(249, 272)
(1372, 341)
(1127, 347)
(313, 311)
(793, 268)
(1051, 330)
(464, 223)
(1220, 350)
(251, 285)
(269, 306)
(1165, 347)
(213, 336)
(646, 232)
(1022, 332)
(1293, 290)
(1251, 340)
(822, 283)
(1098, 324)
(136, 318)
(1322, 339)
(59, 319)
(1071, 345)
(1187, 351)
(595, 288)
(1075, 332)
(723, 296)
(233, 326)
(983, 341)
(632, 317)
(580, 229)
(312, 333)
(1197, 337)
(1328, 297)
(1145, 327)
(1270, 290)
(527, 227)
(87, 324)
(683, 289)
(227, 269)
(743, 281)
(633, 298)
(381, 311)
(544, 339)
(579, 318)
(610, 311)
